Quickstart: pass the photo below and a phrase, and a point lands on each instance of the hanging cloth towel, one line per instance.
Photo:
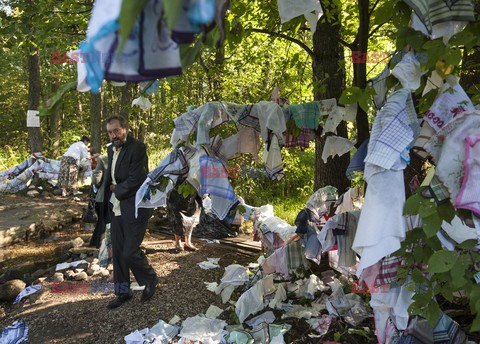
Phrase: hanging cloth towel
(394, 129)
(336, 145)
(452, 101)
(408, 72)
(379, 84)
(306, 116)
(290, 9)
(432, 12)
(357, 164)
(447, 148)
(218, 188)
(468, 196)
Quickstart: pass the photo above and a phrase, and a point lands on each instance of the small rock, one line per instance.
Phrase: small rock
(83, 255)
(77, 242)
(79, 270)
(82, 276)
(89, 259)
(95, 261)
(90, 272)
(57, 277)
(110, 267)
(94, 267)
(33, 193)
(104, 273)
(10, 289)
(40, 280)
(2, 312)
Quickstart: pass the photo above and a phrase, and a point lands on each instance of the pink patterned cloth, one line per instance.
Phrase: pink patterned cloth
(469, 194)
(303, 139)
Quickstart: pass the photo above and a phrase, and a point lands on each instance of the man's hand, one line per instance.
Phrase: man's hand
(112, 188)
(96, 155)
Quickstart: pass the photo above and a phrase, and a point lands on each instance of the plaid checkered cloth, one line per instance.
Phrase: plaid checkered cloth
(394, 129)
(175, 163)
(185, 125)
(447, 331)
(388, 270)
(219, 189)
(344, 233)
(302, 141)
(439, 191)
(296, 256)
(249, 118)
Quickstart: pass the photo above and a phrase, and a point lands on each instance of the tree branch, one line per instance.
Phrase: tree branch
(288, 38)
(373, 8)
(376, 29)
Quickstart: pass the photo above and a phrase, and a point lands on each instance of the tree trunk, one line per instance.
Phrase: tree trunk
(360, 69)
(218, 73)
(126, 101)
(96, 121)
(54, 122)
(329, 82)
(34, 134)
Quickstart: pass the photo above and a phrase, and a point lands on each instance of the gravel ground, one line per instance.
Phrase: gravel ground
(84, 318)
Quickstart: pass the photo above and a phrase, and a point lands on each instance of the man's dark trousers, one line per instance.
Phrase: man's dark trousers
(127, 255)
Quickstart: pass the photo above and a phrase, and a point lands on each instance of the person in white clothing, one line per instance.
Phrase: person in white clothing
(68, 177)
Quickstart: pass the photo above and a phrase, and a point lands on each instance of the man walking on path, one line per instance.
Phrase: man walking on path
(127, 169)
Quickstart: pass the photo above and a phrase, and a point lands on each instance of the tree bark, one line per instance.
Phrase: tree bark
(360, 69)
(96, 121)
(54, 122)
(329, 82)
(126, 101)
(34, 134)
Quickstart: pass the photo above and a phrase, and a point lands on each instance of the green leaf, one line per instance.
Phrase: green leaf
(416, 39)
(188, 54)
(363, 102)
(464, 37)
(446, 211)
(447, 292)
(432, 224)
(129, 13)
(350, 95)
(56, 100)
(383, 13)
(474, 297)
(442, 261)
(427, 210)
(172, 10)
(475, 324)
(433, 313)
(453, 56)
(467, 244)
(412, 205)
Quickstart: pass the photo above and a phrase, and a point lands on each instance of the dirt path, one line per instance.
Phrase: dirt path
(84, 318)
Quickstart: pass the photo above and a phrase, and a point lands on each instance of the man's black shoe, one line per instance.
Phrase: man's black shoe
(119, 300)
(149, 290)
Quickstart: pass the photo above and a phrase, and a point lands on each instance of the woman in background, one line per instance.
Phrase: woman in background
(184, 216)
(98, 180)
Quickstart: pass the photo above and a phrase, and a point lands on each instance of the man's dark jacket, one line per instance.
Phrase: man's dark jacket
(131, 170)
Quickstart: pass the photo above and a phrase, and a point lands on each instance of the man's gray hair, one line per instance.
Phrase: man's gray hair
(123, 122)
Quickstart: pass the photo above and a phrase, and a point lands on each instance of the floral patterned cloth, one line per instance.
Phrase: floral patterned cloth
(447, 149)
